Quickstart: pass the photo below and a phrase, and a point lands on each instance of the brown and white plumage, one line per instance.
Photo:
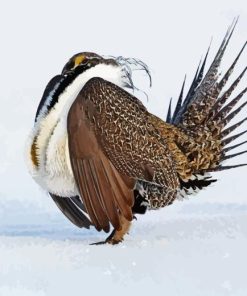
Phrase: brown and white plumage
(103, 157)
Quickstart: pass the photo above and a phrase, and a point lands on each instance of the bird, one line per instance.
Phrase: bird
(104, 158)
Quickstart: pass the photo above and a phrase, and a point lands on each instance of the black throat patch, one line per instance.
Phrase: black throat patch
(56, 87)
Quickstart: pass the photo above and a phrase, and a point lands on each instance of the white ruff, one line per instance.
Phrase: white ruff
(54, 173)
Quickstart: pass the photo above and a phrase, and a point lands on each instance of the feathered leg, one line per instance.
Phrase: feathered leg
(117, 236)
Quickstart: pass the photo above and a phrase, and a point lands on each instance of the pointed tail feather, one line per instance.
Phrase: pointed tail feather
(196, 81)
(203, 115)
(230, 129)
(223, 168)
(222, 99)
(212, 73)
(233, 147)
(225, 110)
(169, 112)
(206, 93)
(228, 73)
(225, 157)
(179, 102)
(232, 115)
(232, 138)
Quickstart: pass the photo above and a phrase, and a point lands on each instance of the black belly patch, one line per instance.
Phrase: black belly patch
(139, 207)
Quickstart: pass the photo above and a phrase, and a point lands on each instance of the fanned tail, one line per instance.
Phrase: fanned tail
(205, 112)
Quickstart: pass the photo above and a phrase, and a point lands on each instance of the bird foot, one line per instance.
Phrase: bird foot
(110, 240)
(116, 236)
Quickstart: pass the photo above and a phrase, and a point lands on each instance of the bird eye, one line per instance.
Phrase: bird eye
(79, 60)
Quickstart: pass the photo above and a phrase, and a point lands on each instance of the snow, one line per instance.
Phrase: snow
(190, 248)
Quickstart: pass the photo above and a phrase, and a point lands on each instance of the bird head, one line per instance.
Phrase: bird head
(85, 61)
(121, 66)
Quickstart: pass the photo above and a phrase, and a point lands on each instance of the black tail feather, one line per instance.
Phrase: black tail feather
(223, 168)
(196, 81)
(201, 72)
(169, 113)
(230, 129)
(180, 100)
(225, 78)
(232, 138)
(233, 155)
(189, 95)
(204, 93)
(221, 118)
(233, 114)
(210, 77)
(221, 101)
(225, 150)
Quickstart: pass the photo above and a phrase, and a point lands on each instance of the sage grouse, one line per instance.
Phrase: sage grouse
(104, 158)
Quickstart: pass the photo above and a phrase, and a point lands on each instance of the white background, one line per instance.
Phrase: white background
(182, 250)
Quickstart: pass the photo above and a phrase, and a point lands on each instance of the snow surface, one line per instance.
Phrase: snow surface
(188, 249)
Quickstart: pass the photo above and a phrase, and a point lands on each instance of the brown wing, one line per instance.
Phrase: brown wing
(112, 144)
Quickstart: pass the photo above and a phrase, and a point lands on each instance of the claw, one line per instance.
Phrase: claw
(98, 243)
(110, 241)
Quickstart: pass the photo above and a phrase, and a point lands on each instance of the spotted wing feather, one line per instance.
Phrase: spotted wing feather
(113, 143)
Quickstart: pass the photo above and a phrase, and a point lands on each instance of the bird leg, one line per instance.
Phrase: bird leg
(117, 236)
